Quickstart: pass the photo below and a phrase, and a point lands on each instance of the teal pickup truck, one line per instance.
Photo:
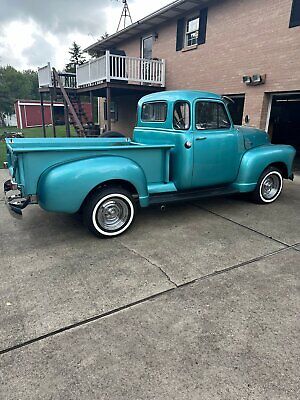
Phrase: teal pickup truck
(184, 147)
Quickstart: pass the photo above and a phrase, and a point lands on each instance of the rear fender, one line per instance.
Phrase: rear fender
(256, 160)
(63, 188)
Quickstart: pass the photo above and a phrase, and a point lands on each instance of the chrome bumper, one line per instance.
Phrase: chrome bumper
(15, 202)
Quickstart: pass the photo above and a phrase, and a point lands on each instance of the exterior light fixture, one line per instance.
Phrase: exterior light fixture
(258, 79)
(247, 80)
(254, 80)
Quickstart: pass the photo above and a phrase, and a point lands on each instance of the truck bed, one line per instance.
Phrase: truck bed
(29, 158)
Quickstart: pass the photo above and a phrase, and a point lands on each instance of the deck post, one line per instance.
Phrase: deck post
(107, 62)
(92, 106)
(43, 113)
(108, 105)
(163, 72)
(67, 122)
(52, 113)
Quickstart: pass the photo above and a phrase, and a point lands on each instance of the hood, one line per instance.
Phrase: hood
(253, 137)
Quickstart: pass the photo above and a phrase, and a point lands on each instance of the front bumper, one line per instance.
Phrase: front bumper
(15, 202)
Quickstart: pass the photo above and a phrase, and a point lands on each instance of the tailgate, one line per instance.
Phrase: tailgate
(12, 161)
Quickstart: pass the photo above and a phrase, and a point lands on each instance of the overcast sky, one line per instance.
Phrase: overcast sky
(33, 32)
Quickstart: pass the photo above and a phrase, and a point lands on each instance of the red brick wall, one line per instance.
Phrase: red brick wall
(244, 37)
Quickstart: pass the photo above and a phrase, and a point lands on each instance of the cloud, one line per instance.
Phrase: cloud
(33, 32)
(59, 16)
(36, 53)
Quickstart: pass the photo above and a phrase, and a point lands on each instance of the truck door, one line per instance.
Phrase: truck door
(216, 144)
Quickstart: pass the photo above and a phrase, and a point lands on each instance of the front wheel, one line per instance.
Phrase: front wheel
(109, 212)
(269, 186)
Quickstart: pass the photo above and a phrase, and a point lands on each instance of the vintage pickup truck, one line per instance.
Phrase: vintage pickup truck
(184, 147)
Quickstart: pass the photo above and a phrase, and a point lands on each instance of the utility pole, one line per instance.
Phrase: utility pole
(124, 16)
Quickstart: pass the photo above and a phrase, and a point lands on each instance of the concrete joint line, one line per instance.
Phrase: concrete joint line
(294, 247)
(150, 262)
(242, 225)
(83, 322)
(243, 264)
(136, 303)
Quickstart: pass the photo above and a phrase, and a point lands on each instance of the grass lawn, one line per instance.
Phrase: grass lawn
(32, 133)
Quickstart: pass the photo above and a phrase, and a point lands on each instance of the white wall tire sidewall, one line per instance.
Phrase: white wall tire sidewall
(98, 205)
(279, 191)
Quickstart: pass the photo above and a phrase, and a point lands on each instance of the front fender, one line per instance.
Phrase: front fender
(64, 187)
(256, 160)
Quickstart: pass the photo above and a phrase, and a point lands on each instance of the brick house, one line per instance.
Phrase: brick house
(246, 49)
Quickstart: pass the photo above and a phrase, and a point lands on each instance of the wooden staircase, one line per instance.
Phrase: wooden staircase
(76, 114)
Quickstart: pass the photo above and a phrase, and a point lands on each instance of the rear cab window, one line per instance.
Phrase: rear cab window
(154, 111)
(211, 115)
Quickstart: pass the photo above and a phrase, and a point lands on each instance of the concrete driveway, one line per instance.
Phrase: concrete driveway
(199, 302)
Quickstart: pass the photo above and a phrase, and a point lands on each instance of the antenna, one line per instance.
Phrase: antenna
(124, 16)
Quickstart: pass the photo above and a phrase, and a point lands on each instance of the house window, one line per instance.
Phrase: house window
(192, 31)
(154, 112)
(211, 115)
(295, 14)
(181, 115)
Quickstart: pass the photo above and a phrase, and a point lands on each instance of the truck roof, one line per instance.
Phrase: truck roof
(174, 95)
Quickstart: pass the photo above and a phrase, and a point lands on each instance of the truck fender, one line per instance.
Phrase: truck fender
(256, 160)
(64, 187)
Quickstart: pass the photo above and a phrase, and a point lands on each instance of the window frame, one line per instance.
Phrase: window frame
(187, 33)
(189, 105)
(155, 102)
(212, 102)
(294, 22)
(114, 111)
(142, 46)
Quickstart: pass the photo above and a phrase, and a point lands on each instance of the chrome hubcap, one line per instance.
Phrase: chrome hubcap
(113, 214)
(270, 186)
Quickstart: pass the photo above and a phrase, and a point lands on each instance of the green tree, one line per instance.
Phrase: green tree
(16, 85)
(76, 57)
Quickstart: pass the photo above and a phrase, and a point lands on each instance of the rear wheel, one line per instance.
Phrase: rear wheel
(269, 186)
(109, 212)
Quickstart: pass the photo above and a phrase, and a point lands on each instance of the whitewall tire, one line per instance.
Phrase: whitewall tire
(269, 186)
(109, 212)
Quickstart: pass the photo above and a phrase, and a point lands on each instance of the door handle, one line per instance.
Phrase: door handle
(201, 138)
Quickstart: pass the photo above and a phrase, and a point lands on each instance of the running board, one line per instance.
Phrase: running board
(174, 197)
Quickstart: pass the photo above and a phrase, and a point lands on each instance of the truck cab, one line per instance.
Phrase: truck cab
(208, 148)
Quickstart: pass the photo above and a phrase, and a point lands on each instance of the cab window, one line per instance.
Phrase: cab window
(154, 112)
(211, 115)
(181, 115)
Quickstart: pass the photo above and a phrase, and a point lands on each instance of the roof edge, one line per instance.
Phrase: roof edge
(160, 11)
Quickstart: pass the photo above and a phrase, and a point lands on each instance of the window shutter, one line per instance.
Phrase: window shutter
(202, 26)
(295, 14)
(180, 34)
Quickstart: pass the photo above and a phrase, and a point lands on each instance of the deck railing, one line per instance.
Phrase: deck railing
(45, 77)
(112, 67)
(108, 68)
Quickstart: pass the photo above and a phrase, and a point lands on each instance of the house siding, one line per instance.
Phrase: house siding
(244, 37)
